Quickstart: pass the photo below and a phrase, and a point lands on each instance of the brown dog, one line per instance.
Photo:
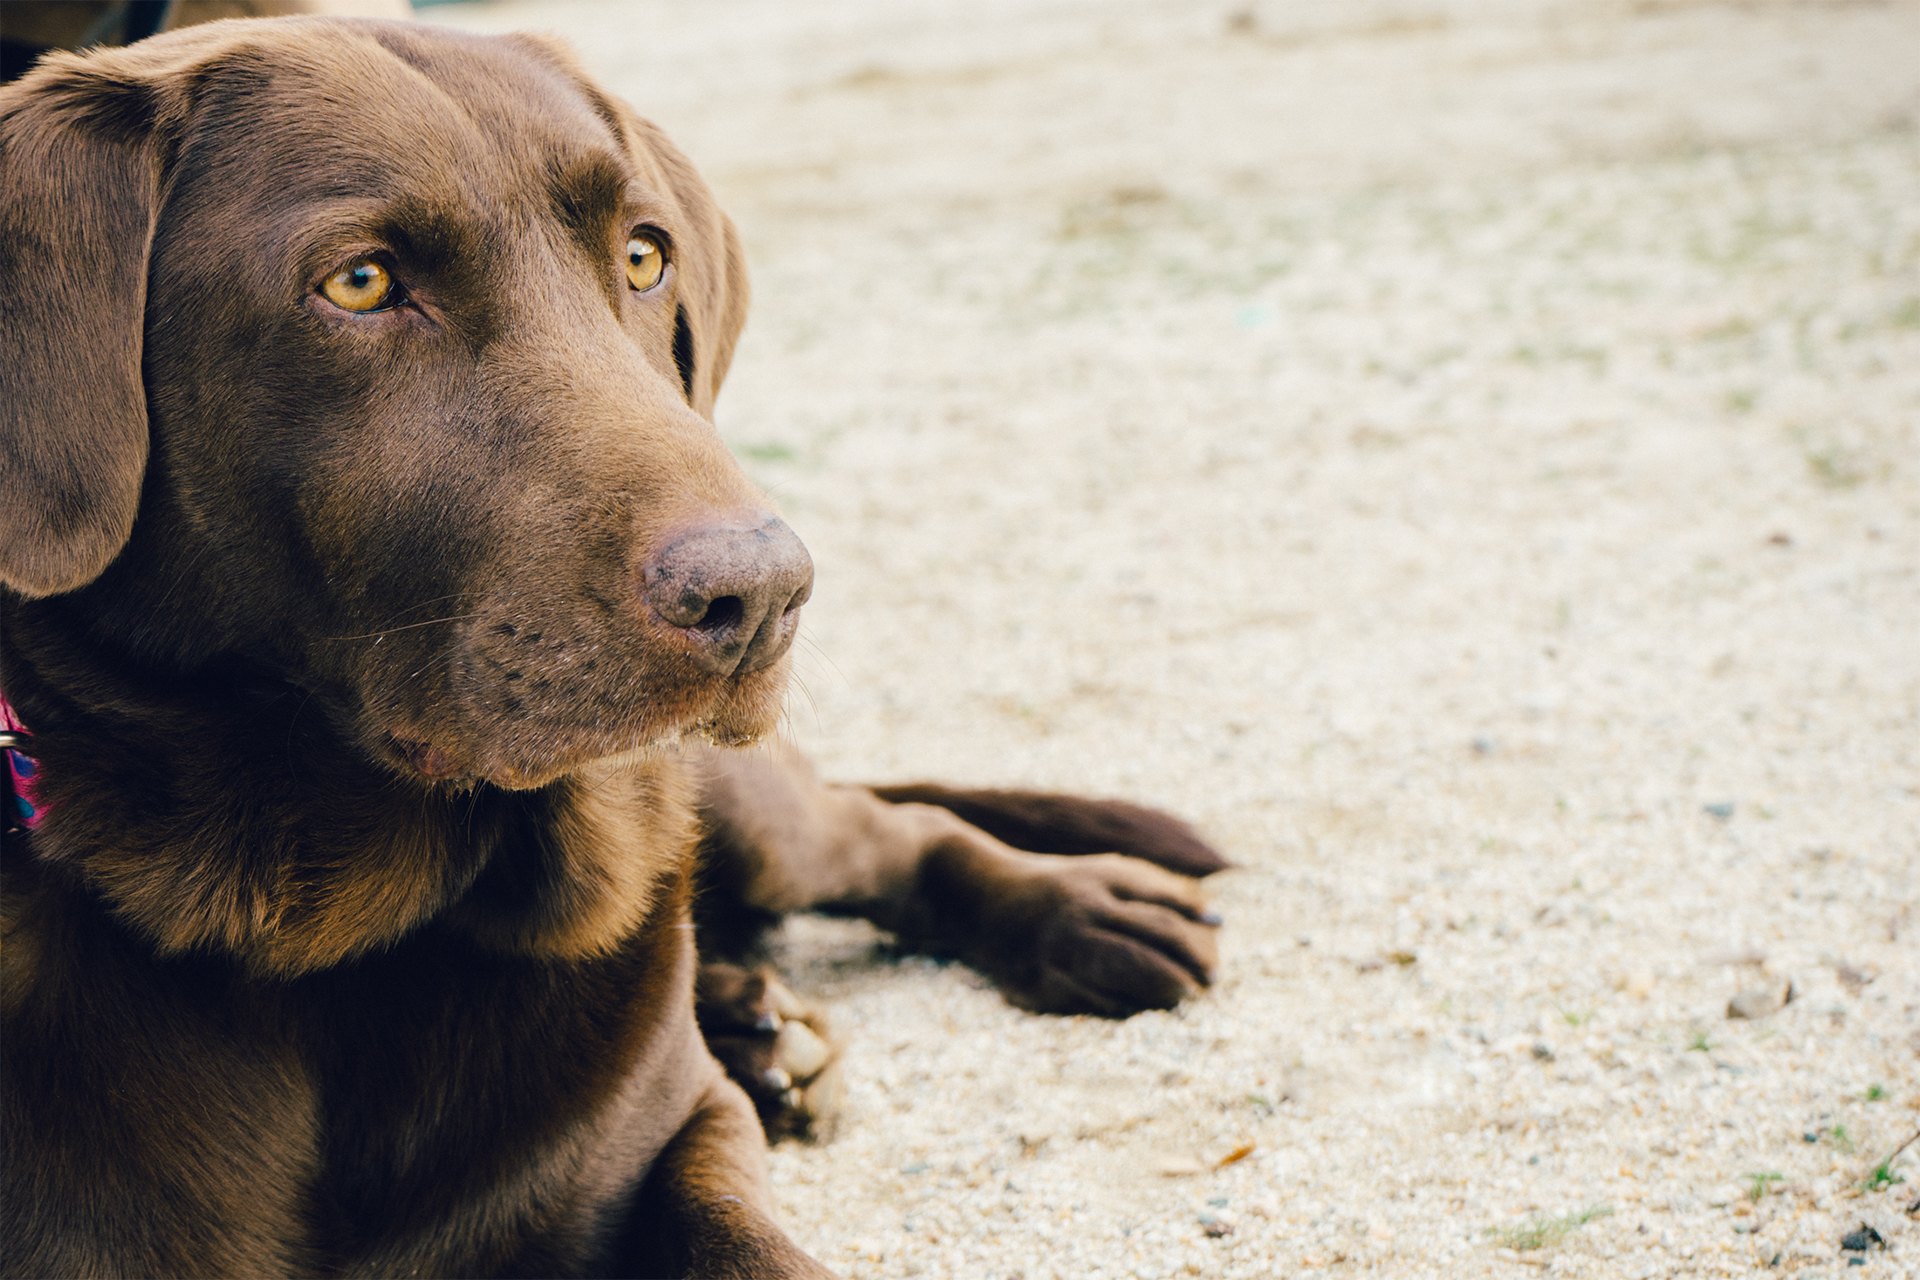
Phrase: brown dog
(369, 560)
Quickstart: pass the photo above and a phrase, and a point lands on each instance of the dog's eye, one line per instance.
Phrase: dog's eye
(362, 287)
(645, 263)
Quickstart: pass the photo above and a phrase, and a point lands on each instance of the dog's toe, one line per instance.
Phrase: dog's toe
(775, 1047)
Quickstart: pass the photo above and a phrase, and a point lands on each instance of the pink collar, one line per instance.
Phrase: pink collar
(17, 806)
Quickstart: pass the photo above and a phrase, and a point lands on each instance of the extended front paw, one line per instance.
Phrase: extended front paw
(1101, 934)
(775, 1047)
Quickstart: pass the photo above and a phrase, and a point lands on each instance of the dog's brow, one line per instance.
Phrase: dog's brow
(421, 233)
(589, 191)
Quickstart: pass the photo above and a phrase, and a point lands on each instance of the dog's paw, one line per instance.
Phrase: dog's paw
(1101, 934)
(773, 1046)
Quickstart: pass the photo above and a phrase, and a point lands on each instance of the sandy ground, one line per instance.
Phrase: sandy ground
(1466, 455)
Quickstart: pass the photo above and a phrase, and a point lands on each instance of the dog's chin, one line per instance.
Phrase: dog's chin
(523, 766)
(748, 710)
(744, 712)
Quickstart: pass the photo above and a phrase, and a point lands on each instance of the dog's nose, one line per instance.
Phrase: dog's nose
(736, 592)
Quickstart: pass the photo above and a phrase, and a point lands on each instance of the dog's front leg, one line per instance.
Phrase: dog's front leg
(706, 1210)
(1100, 934)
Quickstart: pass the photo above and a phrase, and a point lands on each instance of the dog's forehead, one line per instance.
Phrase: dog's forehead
(387, 108)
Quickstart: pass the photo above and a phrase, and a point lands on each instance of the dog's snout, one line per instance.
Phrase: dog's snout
(735, 592)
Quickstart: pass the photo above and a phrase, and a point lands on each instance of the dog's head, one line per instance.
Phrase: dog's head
(384, 357)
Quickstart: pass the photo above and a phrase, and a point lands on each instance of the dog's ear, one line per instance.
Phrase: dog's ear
(709, 265)
(80, 173)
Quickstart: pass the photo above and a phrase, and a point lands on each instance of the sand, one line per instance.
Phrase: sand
(1463, 454)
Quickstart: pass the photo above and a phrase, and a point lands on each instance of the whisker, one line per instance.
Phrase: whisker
(826, 657)
(807, 693)
(458, 617)
(436, 600)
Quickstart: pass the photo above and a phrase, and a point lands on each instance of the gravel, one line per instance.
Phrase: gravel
(1464, 455)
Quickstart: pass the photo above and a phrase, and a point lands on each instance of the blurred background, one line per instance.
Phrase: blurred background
(1464, 454)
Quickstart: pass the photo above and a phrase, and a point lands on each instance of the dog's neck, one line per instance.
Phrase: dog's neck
(219, 811)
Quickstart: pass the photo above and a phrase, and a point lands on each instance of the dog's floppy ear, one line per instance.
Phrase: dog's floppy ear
(80, 173)
(710, 267)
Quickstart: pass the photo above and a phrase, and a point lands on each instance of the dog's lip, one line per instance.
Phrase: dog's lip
(518, 754)
(435, 764)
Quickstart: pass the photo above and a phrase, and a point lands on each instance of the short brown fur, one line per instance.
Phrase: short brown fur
(358, 937)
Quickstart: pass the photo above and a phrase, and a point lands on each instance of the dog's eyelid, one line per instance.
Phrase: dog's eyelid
(654, 232)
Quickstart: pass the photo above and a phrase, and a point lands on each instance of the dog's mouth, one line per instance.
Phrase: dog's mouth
(507, 746)
(441, 766)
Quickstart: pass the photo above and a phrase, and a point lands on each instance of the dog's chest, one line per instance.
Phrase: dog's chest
(436, 1108)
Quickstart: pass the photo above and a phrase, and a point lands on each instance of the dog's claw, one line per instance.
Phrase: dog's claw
(773, 1046)
(800, 1051)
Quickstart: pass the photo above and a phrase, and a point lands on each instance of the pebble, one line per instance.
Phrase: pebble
(1863, 1239)
(1852, 979)
(1758, 1002)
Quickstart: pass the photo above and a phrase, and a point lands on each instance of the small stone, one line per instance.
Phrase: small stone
(1178, 1166)
(1542, 1051)
(1722, 809)
(1863, 1239)
(1216, 1229)
(1851, 978)
(1759, 1002)
(1402, 958)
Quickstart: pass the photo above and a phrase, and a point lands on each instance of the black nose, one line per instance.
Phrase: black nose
(736, 592)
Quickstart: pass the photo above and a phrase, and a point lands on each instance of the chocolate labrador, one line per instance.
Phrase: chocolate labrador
(386, 615)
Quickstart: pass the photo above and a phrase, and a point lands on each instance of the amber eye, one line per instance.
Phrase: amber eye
(362, 287)
(645, 263)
